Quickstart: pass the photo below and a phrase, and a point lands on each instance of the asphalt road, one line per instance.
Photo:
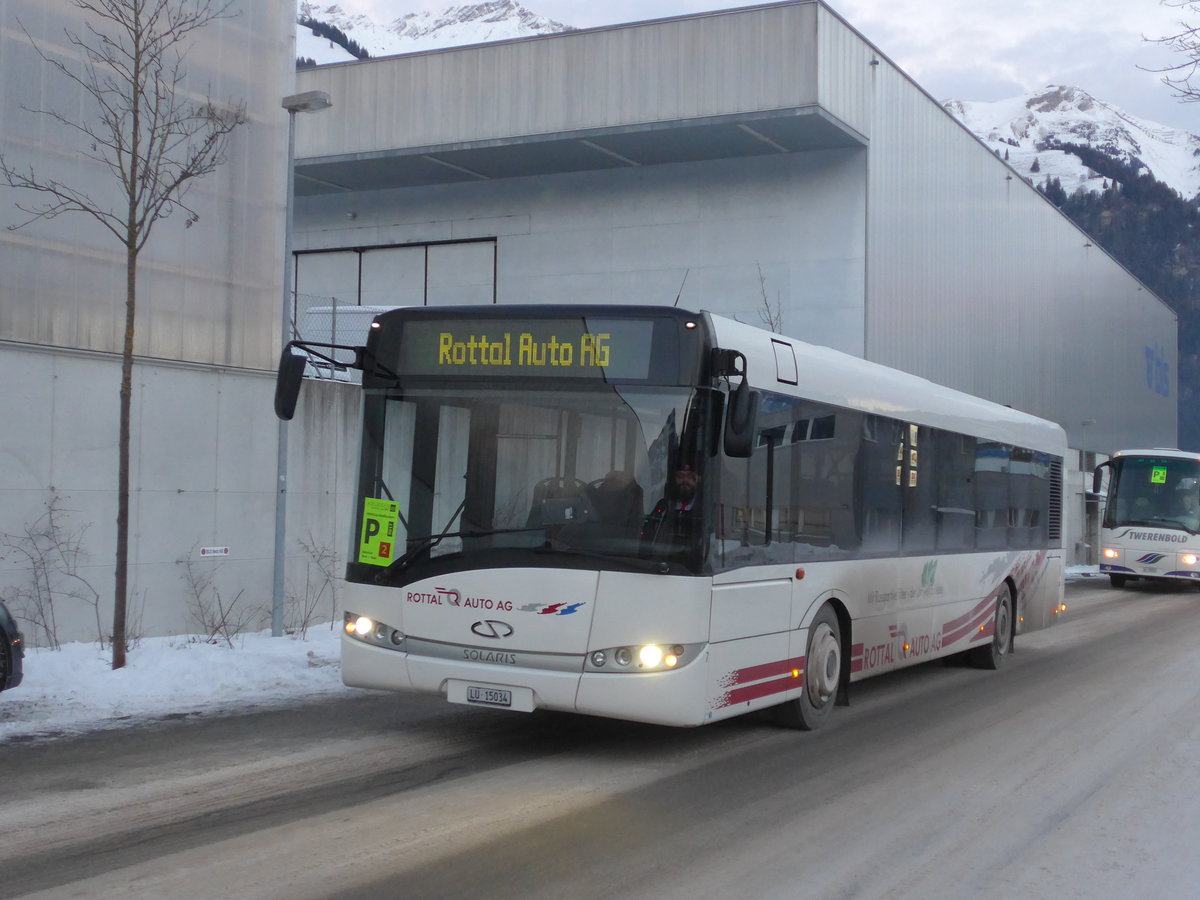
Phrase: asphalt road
(937, 781)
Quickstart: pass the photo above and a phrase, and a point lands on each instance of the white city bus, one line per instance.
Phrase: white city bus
(675, 518)
(1151, 525)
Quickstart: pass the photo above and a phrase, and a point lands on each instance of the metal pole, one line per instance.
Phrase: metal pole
(277, 587)
(309, 101)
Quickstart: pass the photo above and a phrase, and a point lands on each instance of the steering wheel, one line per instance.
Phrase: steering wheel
(559, 486)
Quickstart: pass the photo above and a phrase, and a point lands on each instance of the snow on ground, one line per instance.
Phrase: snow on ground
(74, 690)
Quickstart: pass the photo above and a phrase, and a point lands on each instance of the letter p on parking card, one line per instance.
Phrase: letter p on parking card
(377, 540)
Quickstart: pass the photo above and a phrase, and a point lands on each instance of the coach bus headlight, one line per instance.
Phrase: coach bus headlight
(367, 630)
(650, 656)
(642, 658)
(1110, 553)
(1188, 559)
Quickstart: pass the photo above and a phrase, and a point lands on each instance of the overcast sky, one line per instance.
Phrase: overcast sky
(955, 49)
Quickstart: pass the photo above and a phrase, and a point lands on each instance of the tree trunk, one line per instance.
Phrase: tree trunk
(121, 592)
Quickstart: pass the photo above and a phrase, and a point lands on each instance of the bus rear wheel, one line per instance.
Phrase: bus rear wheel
(993, 655)
(822, 675)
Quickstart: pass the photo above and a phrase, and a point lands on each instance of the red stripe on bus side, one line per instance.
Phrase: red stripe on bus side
(767, 670)
(856, 658)
(764, 689)
(964, 620)
(970, 628)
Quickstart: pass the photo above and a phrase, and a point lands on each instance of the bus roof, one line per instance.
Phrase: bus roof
(1171, 452)
(830, 376)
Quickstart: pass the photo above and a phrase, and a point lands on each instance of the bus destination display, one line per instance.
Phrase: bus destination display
(505, 348)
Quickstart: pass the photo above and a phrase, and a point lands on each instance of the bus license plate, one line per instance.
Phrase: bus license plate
(488, 696)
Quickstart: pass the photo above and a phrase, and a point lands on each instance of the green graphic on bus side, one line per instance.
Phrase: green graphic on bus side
(376, 545)
(1158, 475)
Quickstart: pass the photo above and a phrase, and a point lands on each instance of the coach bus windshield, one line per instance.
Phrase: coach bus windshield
(1154, 491)
(479, 476)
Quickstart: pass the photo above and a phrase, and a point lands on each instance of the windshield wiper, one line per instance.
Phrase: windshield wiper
(1164, 522)
(644, 565)
(433, 540)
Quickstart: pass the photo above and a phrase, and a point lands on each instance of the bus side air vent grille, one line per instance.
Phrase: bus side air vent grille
(1054, 520)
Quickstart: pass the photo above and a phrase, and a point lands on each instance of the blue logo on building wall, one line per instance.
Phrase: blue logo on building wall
(1158, 373)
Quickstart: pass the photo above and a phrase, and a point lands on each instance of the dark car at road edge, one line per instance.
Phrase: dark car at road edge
(12, 650)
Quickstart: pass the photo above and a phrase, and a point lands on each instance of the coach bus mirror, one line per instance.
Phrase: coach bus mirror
(1098, 477)
(287, 382)
(740, 419)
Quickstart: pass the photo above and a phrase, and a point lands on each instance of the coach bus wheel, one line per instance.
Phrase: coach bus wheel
(822, 675)
(1118, 580)
(993, 655)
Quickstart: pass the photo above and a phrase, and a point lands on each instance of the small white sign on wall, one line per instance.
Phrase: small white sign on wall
(214, 551)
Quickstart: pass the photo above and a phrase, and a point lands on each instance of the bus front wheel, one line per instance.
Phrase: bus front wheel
(993, 655)
(822, 675)
(1118, 581)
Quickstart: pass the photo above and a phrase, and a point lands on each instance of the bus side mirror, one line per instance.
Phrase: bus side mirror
(287, 382)
(1098, 477)
(740, 420)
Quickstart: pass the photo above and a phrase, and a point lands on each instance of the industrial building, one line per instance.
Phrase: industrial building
(766, 163)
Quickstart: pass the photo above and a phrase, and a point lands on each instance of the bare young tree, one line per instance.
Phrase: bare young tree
(1185, 41)
(154, 140)
(771, 316)
(53, 555)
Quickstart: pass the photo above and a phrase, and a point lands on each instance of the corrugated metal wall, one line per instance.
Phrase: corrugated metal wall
(208, 327)
(204, 291)
(631, 74)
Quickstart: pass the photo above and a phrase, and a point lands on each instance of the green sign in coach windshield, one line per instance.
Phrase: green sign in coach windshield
(505, 348)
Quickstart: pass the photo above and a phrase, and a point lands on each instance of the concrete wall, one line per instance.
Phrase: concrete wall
(700, 231)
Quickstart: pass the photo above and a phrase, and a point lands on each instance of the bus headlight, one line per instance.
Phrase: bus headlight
(1110, 553)
(642, 657)
(369, 631)
(1188, 559)
(650, 656)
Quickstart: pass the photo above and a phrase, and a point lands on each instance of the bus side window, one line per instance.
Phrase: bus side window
(955, 471)
(992, 462)
(881, 471)
(920, 490)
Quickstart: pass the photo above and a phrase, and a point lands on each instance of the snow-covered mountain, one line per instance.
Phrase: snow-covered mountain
(1024, 129)
(472, 23)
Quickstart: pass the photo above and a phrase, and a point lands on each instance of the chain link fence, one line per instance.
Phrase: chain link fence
(324, 320)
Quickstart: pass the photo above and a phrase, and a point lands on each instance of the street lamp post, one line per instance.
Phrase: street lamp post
(309, 101)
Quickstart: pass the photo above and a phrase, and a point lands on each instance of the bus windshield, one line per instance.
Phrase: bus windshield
(1154, 491)
(477, 476)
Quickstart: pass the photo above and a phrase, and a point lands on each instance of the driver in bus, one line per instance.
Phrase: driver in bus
(1187, 506)
(686, 480)
(673, 519)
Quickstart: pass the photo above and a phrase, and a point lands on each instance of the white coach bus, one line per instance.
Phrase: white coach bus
(1151, 525)
(671, 517)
